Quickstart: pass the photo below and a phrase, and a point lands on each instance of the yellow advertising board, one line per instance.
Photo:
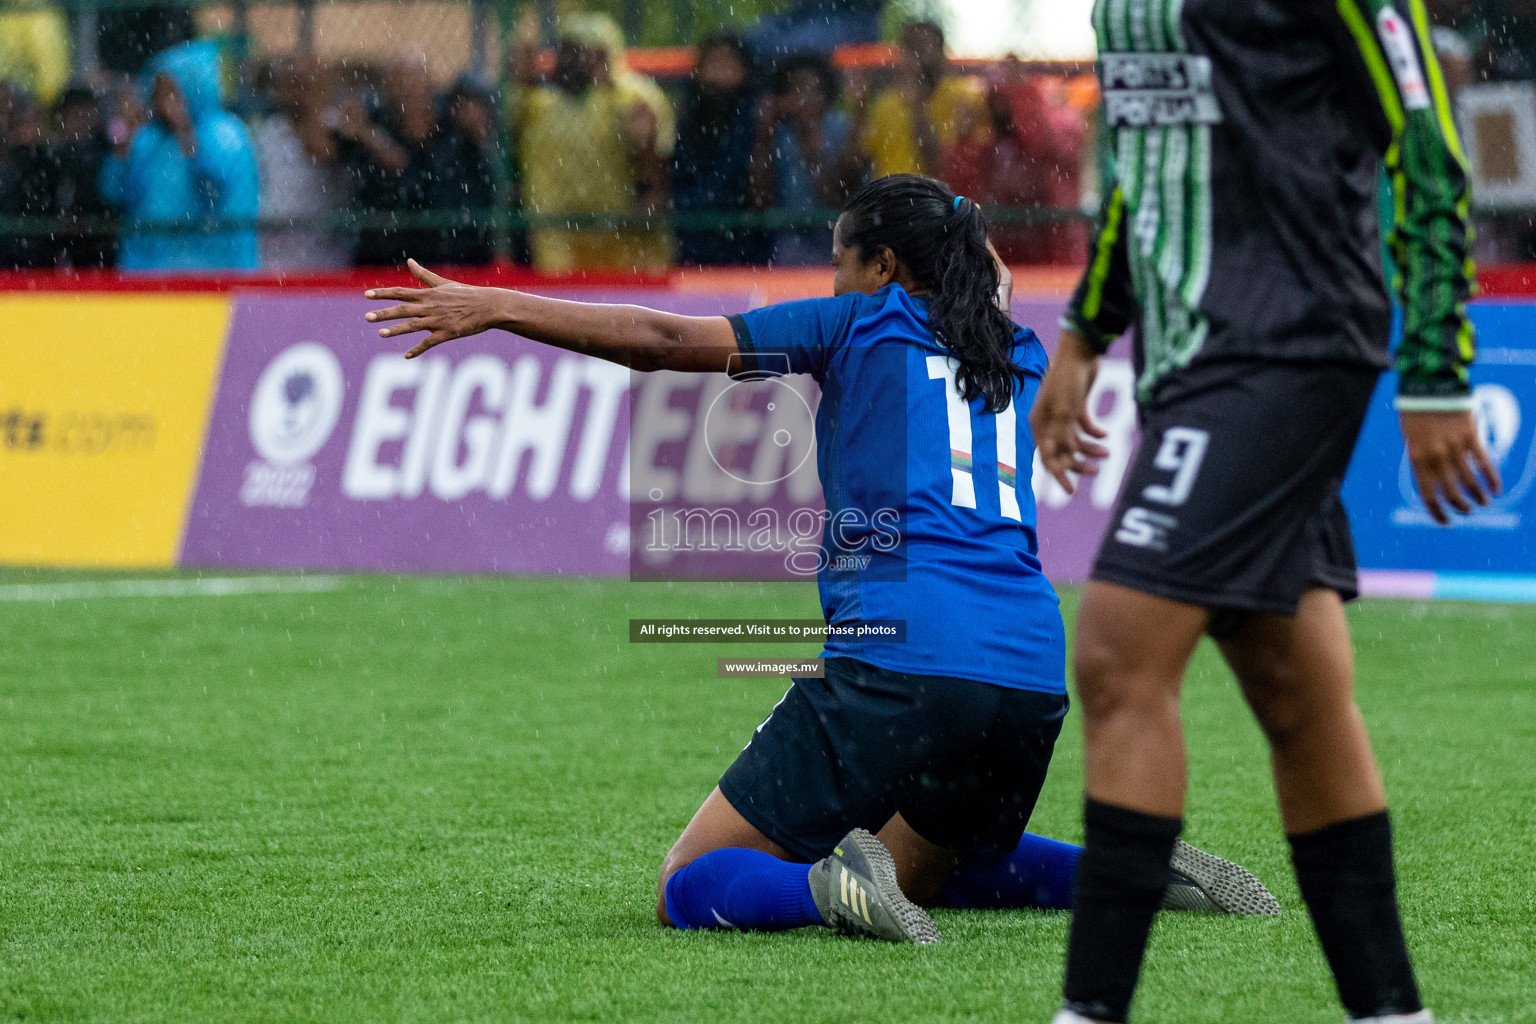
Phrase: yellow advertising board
(104, 401)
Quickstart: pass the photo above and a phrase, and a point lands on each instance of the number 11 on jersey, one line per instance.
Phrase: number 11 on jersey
(961, 470)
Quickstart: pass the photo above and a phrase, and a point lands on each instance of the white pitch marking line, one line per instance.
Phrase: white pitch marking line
(216, 586)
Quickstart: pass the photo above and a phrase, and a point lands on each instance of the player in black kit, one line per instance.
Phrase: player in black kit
(1241, 242)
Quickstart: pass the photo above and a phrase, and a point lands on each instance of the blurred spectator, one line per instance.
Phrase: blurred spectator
(712, 162)
(372, 159)
(190, 164)
(1005, 169)
(302, 182)
(1455, 58)
(465, 175)
(806, 158)
(905, 128)
(34, 49)
(128, 36)
(394, 169)
(818, 25)
(1508, 48)
(1033, 158)
(1456, 32)
(1464, 17)
(124, 114)
(78, 156)
(593, 141)
(1067, 114)
(24, 177)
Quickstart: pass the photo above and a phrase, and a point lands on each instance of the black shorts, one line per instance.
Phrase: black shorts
(1233, 501)
(962, 761)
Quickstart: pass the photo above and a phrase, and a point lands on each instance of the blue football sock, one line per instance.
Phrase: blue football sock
(1037, 873)
(747, 889)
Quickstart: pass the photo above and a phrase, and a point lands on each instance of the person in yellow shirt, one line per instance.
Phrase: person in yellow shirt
(592, 142)
(905, 128)
(34, 49)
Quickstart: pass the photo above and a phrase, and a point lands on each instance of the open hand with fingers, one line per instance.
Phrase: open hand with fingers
(1444, 450)
(444, 309)
(1065, 433)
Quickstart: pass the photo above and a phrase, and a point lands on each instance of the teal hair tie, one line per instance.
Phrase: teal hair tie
(958, 201)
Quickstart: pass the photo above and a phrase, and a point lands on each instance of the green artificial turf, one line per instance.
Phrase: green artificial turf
(430, 800)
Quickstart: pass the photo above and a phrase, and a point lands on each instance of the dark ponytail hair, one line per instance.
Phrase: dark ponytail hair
(941, 238)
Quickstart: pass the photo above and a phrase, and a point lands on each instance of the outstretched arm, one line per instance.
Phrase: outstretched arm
(633, 336)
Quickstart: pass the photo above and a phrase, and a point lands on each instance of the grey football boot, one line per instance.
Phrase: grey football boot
(1202, 881)
(855, 890)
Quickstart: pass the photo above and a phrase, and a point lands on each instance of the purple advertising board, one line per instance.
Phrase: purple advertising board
(1071, 525)
(327, 450)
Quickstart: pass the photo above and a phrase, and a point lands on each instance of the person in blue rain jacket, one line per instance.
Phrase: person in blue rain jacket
(187, 187)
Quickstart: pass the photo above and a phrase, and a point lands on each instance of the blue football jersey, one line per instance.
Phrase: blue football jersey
(930, 515)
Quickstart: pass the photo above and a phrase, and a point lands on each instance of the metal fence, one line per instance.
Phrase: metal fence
(458, 39)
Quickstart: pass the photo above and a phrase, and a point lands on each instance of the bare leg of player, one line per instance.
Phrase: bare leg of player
(922, 868)
(1129, 657)
(1298, 676)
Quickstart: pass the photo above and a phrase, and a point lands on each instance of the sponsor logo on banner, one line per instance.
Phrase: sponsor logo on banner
(293, 412)
(450, 430)
(1509, 441)
(76, 432)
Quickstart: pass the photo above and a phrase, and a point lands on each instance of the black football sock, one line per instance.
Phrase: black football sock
(1345, 874)
(1121, 878)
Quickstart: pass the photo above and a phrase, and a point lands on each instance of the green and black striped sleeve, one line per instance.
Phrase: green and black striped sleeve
(1104, 303)
(1432, 235)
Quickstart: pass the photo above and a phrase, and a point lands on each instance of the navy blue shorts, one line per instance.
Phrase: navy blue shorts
(962, 761)
(1233, 501)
